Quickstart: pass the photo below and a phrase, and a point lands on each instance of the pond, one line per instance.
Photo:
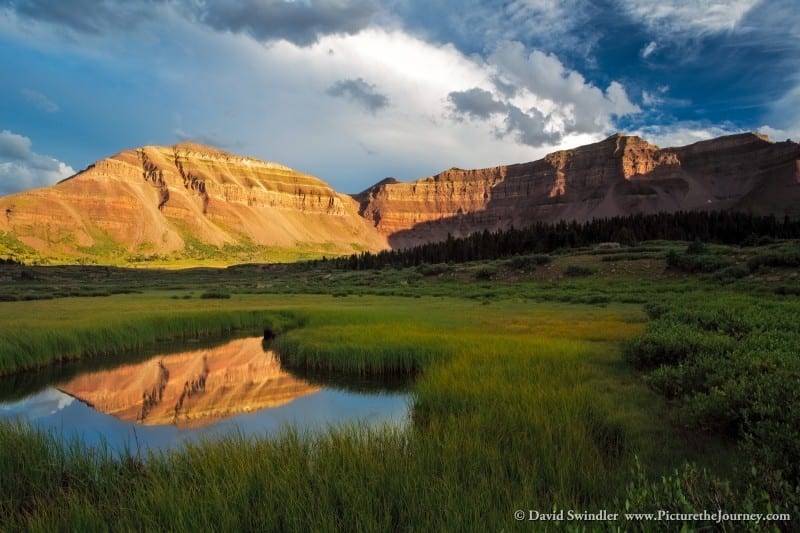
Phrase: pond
(196, 394)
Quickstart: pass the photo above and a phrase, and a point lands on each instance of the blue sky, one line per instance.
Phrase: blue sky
(353, 91)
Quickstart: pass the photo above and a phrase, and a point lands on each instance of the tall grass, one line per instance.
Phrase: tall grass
(524, 407)
(30, 343)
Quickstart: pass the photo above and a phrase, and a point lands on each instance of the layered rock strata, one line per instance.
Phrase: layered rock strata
(159, 199)
(618, 176)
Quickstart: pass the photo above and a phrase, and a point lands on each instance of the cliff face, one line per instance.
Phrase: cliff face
(618, 176)
(155, 199)
(163, 200)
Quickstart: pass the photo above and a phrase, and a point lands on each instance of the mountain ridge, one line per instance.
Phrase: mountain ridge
(616, 176)
(191, 201)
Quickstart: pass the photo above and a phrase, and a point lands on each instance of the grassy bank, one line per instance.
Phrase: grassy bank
(37, 334)
(522, 400)
(524, 405)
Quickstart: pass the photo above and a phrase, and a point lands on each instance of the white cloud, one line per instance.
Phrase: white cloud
(277, 99)
(649, 49)
(679, 18)
(779, 135)
(559, 101)
(21, 168)
(684, 133)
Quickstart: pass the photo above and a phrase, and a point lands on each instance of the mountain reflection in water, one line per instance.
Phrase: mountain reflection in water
(191, 389)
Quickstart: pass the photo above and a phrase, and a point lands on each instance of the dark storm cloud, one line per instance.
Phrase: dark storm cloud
(529, 128)
(475, 103)
(85, 16)
(360, 92)
(526, 127)
(299, 22)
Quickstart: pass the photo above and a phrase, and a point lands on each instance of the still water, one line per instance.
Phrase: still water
(198, 394)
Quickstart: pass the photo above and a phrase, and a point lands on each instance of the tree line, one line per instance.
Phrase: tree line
(707, 226)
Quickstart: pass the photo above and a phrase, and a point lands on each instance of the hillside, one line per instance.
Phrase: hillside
(186, 200)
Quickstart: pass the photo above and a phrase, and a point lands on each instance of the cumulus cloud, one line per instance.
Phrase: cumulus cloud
(360, 92)
(40, 101)
(531, 127)
(475, 103)
(21, 168)
(549, 103)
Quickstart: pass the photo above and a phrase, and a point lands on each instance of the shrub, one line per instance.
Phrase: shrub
(210, 295)
(730, 274)
(697, 263)
(697, 248)
(774, 259)
(485, 273)
(579, 271)
(434, 269)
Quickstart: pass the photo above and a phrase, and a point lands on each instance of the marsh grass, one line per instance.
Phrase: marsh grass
(521, 398)
(37, 334)
(513, 407)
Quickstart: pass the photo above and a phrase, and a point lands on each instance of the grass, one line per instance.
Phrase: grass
(522, 399)
(36, 334)
(529, 394)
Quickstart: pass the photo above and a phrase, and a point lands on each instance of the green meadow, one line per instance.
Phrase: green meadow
(572, 382)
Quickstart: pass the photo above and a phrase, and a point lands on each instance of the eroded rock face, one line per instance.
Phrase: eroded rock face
(162, 199)
(618, 176)
(154, 198)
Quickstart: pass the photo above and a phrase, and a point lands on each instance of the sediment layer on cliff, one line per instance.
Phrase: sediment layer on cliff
(160, 199)
(165, 200)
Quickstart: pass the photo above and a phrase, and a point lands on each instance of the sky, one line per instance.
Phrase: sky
(354, 91)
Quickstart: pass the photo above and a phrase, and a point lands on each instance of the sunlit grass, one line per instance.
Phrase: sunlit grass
(512, 408)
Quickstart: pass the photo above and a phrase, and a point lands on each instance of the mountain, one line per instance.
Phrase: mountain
(618, 176)
(186, 200)
(194, 202)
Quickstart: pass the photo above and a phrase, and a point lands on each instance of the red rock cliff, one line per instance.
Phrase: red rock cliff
(154, 199)
(618, 176)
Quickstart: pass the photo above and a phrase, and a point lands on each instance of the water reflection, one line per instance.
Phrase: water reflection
(203, 393)
(191, 389)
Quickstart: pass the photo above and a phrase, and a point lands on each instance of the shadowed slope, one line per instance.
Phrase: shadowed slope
(618, 176)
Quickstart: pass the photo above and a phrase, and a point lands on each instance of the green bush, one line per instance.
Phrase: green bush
(575, 271)
(697, 263)
(485, 273)
(730, 274)
(433, 269)
(211, 295)
(774, 259)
